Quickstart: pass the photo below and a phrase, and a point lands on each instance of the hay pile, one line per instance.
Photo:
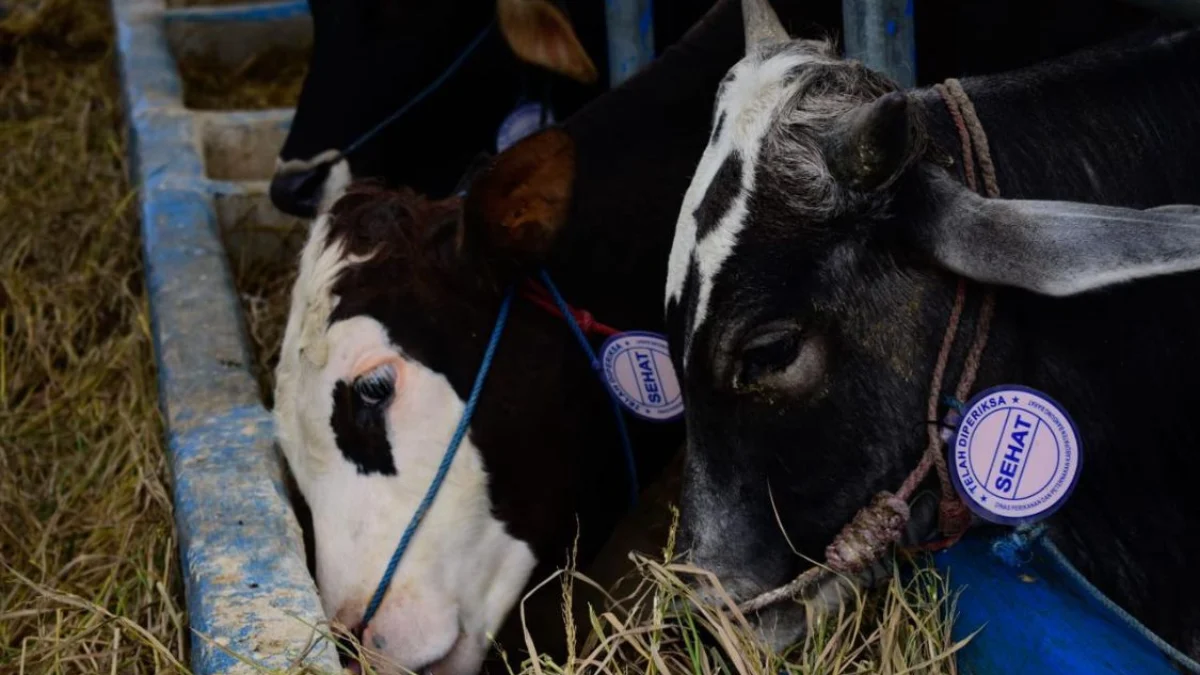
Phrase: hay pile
(660, 626)
(902, 628)
(89, 580)
(264, 285)
(271, 79)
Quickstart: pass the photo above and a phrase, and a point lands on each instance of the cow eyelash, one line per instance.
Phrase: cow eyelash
(376, 387)
(766, 352)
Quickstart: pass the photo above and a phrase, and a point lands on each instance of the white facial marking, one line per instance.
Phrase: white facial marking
(298, 165)
(336, 182)
(751, 102)
(463, 572)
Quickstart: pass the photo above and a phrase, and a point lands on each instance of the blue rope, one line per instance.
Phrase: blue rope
(1179, 657)
(951, 402)
(630, 464)
(1015, 550)
(463, 424)
(421, 95)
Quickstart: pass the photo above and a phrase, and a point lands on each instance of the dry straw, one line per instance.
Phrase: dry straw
(88, 570)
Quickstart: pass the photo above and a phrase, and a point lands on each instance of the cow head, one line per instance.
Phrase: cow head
(370, 57)
(390, 315)
(809, 285)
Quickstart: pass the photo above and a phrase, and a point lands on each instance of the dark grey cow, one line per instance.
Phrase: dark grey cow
(816, 260)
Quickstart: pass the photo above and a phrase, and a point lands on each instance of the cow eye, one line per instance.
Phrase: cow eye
(376, 387)
(768, 350)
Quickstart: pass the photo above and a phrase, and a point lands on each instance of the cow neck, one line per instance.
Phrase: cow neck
(433, 86)
(555, 303)
(880, 524)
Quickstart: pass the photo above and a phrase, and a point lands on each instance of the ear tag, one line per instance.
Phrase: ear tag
(1016, 455)
(525, 119)
(637, 369)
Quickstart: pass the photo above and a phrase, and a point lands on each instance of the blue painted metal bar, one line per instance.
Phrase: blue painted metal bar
(630, 26)
(250, 597)
(261, 11)
(880, 33)
(1034, 619)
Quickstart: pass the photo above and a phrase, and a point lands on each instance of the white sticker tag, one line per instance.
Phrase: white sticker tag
(637, 369)
(522, 121)
(1016, 455)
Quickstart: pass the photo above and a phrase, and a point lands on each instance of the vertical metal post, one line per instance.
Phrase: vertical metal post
(630, 26)
(880, 34)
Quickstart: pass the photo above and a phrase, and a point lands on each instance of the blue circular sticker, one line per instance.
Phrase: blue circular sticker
(637, 369)
(1016, 455)
(522, 121)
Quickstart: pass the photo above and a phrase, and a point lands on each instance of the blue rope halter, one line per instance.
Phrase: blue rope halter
(464, 424)
(630, 464)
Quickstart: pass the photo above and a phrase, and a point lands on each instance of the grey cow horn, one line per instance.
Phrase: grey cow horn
(762, 24)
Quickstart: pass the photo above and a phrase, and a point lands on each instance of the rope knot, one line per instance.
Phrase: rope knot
(587, 322)
(874, 528)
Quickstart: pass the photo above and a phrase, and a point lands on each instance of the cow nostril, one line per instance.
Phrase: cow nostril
(299, 192)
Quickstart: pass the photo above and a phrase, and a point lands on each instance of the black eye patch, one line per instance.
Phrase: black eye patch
(359, 422)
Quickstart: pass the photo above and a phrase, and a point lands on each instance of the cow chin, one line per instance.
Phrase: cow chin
(443, 605)
(785, 624)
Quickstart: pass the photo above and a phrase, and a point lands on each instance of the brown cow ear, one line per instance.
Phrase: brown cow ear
(518, 205)
(540, 34)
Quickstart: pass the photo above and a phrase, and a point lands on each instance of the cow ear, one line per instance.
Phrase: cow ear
(517, 206)
(1063, 248)
(540, 34)
(871, 144)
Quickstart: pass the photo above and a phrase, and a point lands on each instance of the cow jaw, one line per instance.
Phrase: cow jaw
(462, 572)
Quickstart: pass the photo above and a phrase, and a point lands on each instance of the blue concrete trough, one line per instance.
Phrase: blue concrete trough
(202, 174)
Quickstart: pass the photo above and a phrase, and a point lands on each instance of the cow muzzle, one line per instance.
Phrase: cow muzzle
(425, 638)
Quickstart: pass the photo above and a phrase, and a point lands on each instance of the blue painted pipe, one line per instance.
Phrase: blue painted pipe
(252, 12)
(630, 25)
(1034, 619)
(880, 33)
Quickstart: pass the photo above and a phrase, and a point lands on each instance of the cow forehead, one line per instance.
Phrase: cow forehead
(714, 211)
(306, 349)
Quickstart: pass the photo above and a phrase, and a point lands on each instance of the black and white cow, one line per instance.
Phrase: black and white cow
(371, 56)
(390, 315)
(815, 264)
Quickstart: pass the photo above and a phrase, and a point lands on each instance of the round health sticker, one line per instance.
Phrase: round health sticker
(637, 369)
(522, 121)
(1016, 455)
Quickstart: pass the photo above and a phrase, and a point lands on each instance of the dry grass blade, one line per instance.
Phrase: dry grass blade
(263, 273)
(271, 79)
(665, 627)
